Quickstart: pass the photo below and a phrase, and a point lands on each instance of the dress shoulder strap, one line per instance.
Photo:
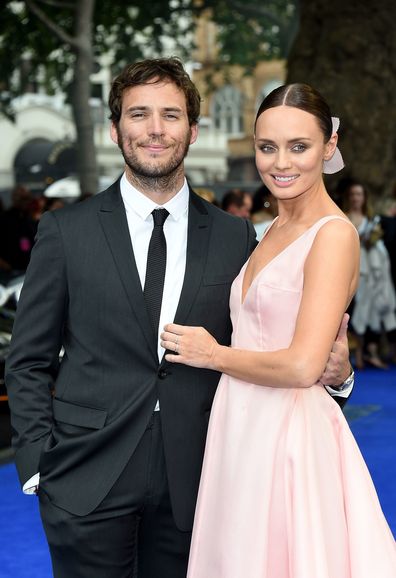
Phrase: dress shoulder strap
(323, 220)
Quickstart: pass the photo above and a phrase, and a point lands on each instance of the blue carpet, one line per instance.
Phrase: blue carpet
(24, 552)
(371, 413)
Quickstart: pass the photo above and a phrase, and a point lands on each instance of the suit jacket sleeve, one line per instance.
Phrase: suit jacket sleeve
(252, 239)
(33, 361)
(339, 399)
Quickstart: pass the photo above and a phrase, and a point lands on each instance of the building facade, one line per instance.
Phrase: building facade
(41, 142)
(231, 100)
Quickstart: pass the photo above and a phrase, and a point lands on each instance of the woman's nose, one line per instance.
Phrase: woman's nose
(282, 160)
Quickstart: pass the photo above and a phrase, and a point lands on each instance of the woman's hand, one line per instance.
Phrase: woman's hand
(191, 345)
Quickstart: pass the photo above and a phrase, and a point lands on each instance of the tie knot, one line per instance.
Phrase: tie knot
(159, 217)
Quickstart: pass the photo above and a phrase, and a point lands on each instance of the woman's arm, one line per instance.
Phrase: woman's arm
(330, 279)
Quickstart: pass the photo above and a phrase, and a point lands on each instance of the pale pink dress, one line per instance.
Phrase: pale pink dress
(284, 492)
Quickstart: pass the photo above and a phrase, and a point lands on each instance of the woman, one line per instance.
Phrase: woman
(373, 308)
(284, 490)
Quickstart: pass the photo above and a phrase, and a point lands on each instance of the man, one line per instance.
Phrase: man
(119, 445)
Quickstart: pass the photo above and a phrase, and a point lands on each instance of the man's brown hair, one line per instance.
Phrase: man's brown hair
(152, 71)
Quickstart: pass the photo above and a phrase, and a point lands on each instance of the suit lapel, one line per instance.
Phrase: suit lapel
(197, 246)
(113, 219)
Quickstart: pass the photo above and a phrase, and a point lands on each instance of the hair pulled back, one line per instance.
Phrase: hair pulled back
(305, 98)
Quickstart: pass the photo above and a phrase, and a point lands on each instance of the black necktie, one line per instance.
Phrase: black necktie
(156, 266)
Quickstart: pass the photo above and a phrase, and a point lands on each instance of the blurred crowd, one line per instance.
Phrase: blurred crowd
(372, 327)
(373, 318)
(18, 227)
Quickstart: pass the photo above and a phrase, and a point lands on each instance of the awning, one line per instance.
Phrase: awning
(40, 162)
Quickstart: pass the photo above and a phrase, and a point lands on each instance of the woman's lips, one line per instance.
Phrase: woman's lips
(284, 180)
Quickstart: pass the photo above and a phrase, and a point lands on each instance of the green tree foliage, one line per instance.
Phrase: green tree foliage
(30, 50)
(347, 50)
(248, 33)
(251, 31)
(56, 43)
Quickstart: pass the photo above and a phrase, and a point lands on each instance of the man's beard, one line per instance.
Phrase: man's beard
(155, 174)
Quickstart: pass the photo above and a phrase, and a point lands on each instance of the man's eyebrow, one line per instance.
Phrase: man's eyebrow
(137, 107)
(172, 109)
(144, 107)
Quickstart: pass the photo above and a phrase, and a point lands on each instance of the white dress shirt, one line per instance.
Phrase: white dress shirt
(140, 222)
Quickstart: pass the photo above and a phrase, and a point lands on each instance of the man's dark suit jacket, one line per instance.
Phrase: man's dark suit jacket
(82, 291)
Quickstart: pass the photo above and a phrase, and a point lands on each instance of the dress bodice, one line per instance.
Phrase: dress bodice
(267, 317)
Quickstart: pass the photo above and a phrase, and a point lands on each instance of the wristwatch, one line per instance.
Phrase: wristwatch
(347, 383)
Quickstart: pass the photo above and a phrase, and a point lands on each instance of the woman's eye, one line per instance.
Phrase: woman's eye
(299, 148)
(265, 148)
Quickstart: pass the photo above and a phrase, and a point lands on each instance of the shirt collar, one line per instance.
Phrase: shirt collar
(142, 206)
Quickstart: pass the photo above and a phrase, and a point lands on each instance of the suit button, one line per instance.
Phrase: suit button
(162, 373)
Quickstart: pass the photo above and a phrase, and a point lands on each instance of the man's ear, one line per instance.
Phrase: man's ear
(114, 133)
(194, 133)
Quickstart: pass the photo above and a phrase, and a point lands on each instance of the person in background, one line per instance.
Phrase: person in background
(54, 203)
(17, 232)
(373, 308)
(37, 207)
(237, 202)
(388, 225)
(84, 197)
(207, 194)
(264, 210)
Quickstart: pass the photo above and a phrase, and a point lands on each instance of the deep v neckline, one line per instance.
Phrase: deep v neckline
(244, 296)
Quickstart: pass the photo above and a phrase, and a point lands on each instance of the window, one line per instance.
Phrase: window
(227, 110)
(266, 89)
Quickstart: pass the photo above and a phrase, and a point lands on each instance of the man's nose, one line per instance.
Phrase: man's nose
(156, 125)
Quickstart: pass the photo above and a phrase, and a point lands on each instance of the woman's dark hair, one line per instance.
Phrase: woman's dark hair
(300, 96)
(366, 207)
(152, 71)
(233, 197)
(261, 196)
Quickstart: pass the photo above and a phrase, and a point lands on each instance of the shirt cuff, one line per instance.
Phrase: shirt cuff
(345, 389)
(31, 486)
